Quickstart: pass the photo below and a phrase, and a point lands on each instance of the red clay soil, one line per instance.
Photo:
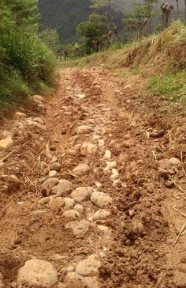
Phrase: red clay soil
(141, 244)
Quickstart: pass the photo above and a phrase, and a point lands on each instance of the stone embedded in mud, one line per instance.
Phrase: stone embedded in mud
(170, 165)
(52, 173)
(6, 143)
(20, 115)
(180, 279)
(88, 148)
(56, 204)
(101, 214)
(101, 199)
(38, 273)
(81, 194)
(68, 202)
(55, 166)
(63, 188)
(83, 129)
(89, 266)
(79, 208)
(169, 184)
(71, 215)
(156, 134)
(37, 98)
(81, 170)
(79, 228)
(107, 154)
(175, 162)
(74, 280)
(44, 201)
(36, 124)
(47, 186)
(39, 120)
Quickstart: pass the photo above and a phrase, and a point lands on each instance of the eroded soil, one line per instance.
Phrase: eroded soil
(137, 244)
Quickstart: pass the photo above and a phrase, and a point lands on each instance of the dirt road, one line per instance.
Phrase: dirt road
(94, 190)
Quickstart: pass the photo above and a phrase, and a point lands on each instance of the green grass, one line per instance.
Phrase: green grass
(172, 85)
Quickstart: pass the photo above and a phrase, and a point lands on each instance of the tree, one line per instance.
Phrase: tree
(106, 5)
(51, 39)
(141, 17)
(177, 8)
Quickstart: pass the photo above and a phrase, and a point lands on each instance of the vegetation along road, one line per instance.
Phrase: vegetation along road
(92, 159)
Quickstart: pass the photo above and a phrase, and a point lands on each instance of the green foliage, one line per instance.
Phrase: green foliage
(173, 85)
(51, 39)
(91, 30)
(25, 60)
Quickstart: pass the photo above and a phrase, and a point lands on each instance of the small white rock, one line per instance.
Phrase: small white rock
(71, 215)
(79, 208)
(81, 194)
(101, 199)
(101, 214)
(89, 266)
(63, 188)
(81, 170)
(68, 202)
(38, 273)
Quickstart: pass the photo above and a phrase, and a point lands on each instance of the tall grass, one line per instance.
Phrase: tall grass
(26, 64)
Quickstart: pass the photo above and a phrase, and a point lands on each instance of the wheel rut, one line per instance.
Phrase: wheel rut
(88, 210)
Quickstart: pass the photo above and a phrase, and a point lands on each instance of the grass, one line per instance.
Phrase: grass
(160, 60)
(171, 85)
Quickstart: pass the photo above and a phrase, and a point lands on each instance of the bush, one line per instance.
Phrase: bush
(25, 61)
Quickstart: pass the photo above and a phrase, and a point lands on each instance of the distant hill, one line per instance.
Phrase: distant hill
(65, 15)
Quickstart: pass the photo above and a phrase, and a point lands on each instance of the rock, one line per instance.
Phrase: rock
(170, 165)
(36, 124)
(63, 188)
(11, 183)
(81, 170)
(71, 215)
(88, 148)
(175, 162)
(68, 202)
(79, 208)
(37, 98)
(56, 166)
(169, 184)
(6, 143)
(101, 214)
(39, 120)
(79, 228)
(56, 204)
(115, 174)
(156, 134)
(101, 199)
(44, 201)
(81, 194)
(38, 273)
(83, 129)
(179, 279)
(20, 115)
(74, 280)
(107, 154)
(89, 266)
(52, 173)
(47, 186)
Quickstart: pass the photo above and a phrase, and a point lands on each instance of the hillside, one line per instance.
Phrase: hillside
(92, 178)
(65, 15)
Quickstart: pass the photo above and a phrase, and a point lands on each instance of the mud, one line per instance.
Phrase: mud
(104, 123)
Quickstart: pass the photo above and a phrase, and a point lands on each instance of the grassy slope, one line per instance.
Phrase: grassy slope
(158, 59)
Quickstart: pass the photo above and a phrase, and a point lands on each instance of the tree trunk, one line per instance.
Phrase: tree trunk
(185, 12)
(177, 8)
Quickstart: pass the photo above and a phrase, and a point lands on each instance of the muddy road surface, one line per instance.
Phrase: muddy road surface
(92, 189)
